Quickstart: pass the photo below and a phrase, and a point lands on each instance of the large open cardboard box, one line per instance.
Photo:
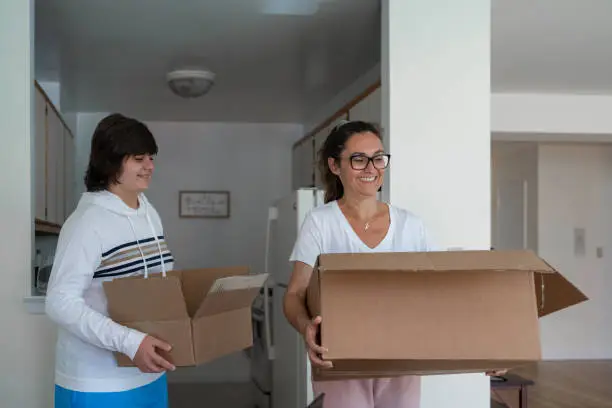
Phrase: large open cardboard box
(389, 314)
(203, 313)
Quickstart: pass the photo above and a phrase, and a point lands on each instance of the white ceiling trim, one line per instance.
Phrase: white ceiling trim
(551, 113)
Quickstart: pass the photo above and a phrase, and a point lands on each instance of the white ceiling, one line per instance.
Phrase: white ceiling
(113, 55)
(552, 46)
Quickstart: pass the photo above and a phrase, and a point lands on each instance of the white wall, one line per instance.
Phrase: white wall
(569, 187)
(27, 341)
(571, 116)
(575, 191)
(252, 161)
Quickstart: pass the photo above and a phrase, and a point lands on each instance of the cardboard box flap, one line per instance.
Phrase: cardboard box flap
(197, 283)
(137, 299)
(231, 293)
(554, 293)
(443, 261)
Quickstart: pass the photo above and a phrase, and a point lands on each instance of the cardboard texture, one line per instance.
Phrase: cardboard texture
(390, 314)
(203, 313)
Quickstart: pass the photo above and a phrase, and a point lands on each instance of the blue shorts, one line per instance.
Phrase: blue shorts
(154, 395)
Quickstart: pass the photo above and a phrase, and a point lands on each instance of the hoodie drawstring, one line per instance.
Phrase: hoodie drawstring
(113, 203)
(144, 260)
(161, 256)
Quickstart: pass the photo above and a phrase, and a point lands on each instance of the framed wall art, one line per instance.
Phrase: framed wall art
(204, 204)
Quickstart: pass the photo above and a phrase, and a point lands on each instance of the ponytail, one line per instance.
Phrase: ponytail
(334, 190)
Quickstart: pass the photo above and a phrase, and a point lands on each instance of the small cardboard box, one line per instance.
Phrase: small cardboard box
(203, 313)
(389, 314)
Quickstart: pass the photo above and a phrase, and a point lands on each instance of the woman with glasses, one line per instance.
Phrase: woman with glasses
(353, 163)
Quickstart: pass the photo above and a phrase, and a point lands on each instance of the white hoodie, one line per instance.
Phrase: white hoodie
(103, 239)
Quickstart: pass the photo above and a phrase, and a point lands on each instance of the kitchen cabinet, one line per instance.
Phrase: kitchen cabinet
(55, 147)
(53, 175)
(40, 162)
(69, 180)
(319, 139)
(369, 109)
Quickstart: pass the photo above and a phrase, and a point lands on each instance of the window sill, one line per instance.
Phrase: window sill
(35, 304)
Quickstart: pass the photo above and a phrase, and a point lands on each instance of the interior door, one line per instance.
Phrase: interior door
(511, 215)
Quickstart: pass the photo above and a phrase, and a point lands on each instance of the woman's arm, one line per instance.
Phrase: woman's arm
(294, 306)
(295, 298)
(307, 248)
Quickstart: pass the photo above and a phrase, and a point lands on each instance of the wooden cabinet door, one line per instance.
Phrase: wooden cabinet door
(55, 139)
(40, 156)
(319, 139)
(369, 109)
(69, 182)
(60, 200)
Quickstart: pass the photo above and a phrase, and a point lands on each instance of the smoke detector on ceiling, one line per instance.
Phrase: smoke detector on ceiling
(190, 83)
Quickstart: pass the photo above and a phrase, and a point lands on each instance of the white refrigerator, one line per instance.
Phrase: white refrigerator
(291, 386)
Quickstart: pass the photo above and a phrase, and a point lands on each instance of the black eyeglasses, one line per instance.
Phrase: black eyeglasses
(360, 161)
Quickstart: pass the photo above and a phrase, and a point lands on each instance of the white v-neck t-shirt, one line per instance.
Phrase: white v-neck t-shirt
(326, 230)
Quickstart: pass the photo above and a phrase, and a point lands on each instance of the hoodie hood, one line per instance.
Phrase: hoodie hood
(113, 203)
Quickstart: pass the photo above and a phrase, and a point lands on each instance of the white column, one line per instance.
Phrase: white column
(436, 119)
(27, 341)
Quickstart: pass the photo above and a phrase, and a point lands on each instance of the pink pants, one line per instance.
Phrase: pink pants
(399, 392)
